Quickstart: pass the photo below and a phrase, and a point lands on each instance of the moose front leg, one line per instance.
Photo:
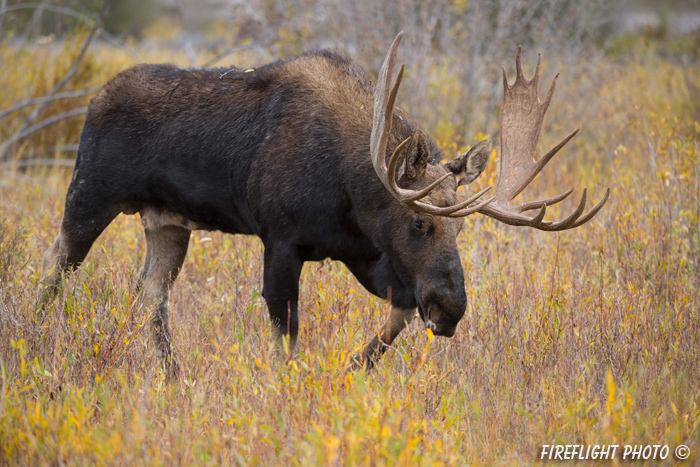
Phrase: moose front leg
(399, 318)
(281, 291)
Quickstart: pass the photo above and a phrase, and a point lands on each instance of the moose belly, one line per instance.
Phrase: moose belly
(153, 218)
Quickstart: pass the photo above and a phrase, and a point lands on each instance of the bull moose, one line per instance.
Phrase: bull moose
(312, 157)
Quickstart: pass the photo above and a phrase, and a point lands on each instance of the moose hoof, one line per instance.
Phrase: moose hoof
(358, 362)
(170, 364)
(172, 368)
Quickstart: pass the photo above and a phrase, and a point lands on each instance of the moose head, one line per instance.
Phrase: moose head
(428, 207)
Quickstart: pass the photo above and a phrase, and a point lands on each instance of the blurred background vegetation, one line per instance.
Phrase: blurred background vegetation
(591, 336)
(454, 49)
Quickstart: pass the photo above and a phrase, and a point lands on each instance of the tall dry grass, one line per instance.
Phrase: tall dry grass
(590, 336)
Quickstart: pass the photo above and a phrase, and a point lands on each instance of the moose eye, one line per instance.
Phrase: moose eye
(419, 224)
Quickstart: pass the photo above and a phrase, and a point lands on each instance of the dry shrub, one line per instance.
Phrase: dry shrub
(589, 336)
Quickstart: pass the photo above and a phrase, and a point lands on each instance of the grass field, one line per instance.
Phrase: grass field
(590, 336)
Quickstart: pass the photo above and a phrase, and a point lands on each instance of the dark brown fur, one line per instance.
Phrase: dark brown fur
(281, 152)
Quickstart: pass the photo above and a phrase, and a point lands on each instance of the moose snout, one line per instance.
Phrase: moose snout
(440, 331)
(441, 297)
(442, 313)
(441, 326)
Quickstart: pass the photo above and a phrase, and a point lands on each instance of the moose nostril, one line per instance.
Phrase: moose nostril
(430, 325)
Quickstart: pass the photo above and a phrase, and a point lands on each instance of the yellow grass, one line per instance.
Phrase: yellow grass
(590, 336)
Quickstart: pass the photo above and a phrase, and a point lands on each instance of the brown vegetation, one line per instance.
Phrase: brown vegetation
(590, 336)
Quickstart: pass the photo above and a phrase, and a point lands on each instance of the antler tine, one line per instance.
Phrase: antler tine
(457, 210)
(391, 175)
(574, 220)
(519, 64)
(548, 202)
(594, 210)
(550, 93)
(381, 126)
(475, 208)
(381, 123)
(543, 161)
(513, 217)
(521, 122)
(536, 78)
(384, 101)
(566, 223)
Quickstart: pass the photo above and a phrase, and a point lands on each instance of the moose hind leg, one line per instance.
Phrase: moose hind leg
(141, 279)
(79, 230)
(166, 249)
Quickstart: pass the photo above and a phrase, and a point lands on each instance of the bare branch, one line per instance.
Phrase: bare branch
(3, 10)
(72, 70)
(238, 48)
(81, 17)
(43, 6)
(133, 53)
(44, 162)
(51, 120)
(47, 99)
(27, 128)
(42, 124)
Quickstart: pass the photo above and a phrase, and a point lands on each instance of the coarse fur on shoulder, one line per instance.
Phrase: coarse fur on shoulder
(316, 67)
(318, 82)
(328, 77)
(312, 66)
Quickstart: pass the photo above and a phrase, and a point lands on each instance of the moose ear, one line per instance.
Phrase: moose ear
(469, 165)
(417, 155)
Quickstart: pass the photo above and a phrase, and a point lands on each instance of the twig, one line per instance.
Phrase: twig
(190, 53)
(403, 363)
(26, 163)
(46, 99)
(27, 128)
(79, 16)
(44, 6)
(135, 56)
(2, 365)
(49, 121)
(238, 48)
(4, 148)
(3, 10)
(73, 68)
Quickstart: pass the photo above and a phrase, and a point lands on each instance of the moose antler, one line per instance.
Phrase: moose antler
(521, 122)
(381, 126)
